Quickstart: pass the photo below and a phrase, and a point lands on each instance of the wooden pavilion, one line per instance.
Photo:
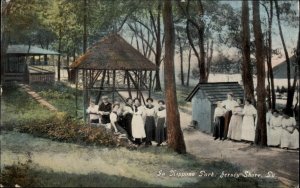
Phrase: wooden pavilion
(112, 66)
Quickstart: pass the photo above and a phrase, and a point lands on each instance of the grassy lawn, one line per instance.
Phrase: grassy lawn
(61, 96)
(17, 108)
(77, 166)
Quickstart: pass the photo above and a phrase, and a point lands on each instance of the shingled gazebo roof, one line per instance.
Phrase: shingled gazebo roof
(113, 53)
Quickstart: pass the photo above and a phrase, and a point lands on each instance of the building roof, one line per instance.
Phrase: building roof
(217, 91)
(112, 52)
(280, 70)
(23, 49)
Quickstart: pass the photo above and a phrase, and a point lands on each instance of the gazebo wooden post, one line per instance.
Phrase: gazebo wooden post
(114, 85)
(128, 83)
(101, 87)
(84, 93)
(76, 92)
(150, 86)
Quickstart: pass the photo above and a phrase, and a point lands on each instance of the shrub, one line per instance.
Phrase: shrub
(17, 174)
(63, 128)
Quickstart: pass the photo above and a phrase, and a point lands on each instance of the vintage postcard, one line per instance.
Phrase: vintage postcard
(149, 93)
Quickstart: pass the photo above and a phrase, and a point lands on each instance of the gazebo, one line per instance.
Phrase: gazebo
(113, 66)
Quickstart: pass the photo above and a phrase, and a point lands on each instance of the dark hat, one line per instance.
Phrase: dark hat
(161, 101)
(149, 99)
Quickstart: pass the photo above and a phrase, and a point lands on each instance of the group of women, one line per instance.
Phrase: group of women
(235, 121)
(141, 124)
(281, 130)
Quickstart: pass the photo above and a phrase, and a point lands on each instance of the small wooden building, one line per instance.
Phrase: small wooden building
(18, 68)
(204, 98)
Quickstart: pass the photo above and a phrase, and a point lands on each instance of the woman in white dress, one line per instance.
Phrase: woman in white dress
(235, 125)
(249, 122)
(137, 123)
(290, 135)
(275, 129)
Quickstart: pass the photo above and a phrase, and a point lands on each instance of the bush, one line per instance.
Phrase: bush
(63, 128)
(17, 174)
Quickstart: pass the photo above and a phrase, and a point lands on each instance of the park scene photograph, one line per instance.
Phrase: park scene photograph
(149, 93)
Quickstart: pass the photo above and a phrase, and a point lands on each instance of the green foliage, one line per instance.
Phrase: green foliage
(63, 128)
(18, 174)
(19, 109)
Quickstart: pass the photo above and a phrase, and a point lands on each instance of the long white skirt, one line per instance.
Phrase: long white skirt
(138, 129)
(295, 140)
(248, 128)
(274, 135)
(285, 139)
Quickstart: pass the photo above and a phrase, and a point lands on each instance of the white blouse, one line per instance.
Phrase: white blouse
(93, 111)
(219, 112)
(150, 111)
(161, 113)
(288, 123)
(276, 121)
(229, 104)
(249, 110)
(113, 117)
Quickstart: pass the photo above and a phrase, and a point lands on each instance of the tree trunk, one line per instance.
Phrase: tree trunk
(189, 68)
(175, 135)
(290, 90)
(261, 132)
(270, 56)
(246, 65)
(158, 49)
(59, 55)
(85, 27)
(181, 62)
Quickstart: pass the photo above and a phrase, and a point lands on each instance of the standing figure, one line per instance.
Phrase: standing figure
(289, 138)
(219, 121)
(150, 121)
(93, 111)
(269, 115)
(275, 129)
(229, 104)
(137, 123)
(161, 128)
(235, 125)
(249, 122)
(114, 120)
(127, 116)
(104, 110)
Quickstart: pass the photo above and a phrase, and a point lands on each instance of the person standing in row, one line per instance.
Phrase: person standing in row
(93, 111)
(229, 105)
(219, 121)
(114, 120)
(149, 121)
(137, 123)
(161, 128)
(127, 114)
(249, 122)
(289, 135)
(104, 110)
(235, 125)
(275, 129)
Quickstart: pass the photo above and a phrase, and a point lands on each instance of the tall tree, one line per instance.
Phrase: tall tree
(271, 88)
(246, 65)
(175, 135)
(290, 89)
(261, 131)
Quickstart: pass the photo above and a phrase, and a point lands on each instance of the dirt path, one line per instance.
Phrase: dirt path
(37, 97)
(285, 164)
